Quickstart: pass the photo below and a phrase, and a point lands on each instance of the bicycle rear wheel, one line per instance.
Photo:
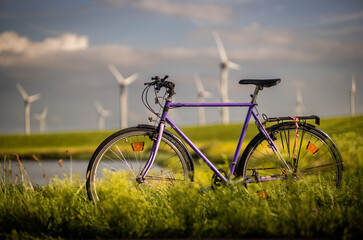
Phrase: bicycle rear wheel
(318, 161)
(122, 156)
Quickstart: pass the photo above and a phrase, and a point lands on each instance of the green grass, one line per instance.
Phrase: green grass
(62, 210)
(215, 140)
(54, 145)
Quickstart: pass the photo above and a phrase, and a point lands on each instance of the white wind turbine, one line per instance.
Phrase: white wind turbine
(202, 94)
(352, 97)
(27, 101)
(225, 65)
(102, 114)
(41, 117)
(124, 83)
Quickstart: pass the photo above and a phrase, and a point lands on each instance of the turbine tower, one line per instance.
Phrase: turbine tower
(124, 83)
(102, 114)
(202, 94)
(41, 117)
(299, 103)
(352, 97)
(27, 101)
(225, 65)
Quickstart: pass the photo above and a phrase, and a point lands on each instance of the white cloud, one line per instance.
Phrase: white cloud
(260, 35)
(190, 10)
(253, 34)
(330, 49)
(273, 54)
(70, 52)
(187, 10)
(14, 47)
(13, 43)
(256, 42)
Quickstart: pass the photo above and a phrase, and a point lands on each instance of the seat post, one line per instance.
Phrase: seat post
(254, 96)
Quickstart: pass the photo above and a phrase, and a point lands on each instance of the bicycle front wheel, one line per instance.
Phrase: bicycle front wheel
(122, 156)
(317, 160)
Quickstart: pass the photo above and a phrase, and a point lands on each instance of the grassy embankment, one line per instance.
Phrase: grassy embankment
(217, 141)
(61, 210)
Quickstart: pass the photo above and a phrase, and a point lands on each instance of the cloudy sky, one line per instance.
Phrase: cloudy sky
(62, 50)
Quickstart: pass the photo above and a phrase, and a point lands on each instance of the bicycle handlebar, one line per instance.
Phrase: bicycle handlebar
(160, 83)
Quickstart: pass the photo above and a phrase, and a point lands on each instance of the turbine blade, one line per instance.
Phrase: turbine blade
(45, 112)
(220, 47)
(98, 106)
(37, 116)
(199, 83)
(35, 97)
(106, 113)
(130, 79)
(353, 84)
(298, 96)
(116, 73)
(200, 87)
(22, 91)
(233, 65)
(207, 94)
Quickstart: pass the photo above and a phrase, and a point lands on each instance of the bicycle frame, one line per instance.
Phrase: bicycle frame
(250, 113)
(196, 149)
(132, 152)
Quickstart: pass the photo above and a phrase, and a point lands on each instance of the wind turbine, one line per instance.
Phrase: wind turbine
(352, 97)
(102, 113)
(225, 65)
(41, 117)
(27, 101)
(124, 83)
(299, 103)
(202, 94)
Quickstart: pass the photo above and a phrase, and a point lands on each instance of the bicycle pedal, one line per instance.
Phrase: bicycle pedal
(217, 181)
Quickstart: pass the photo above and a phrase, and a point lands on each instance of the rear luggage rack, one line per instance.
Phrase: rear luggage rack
(301, 118)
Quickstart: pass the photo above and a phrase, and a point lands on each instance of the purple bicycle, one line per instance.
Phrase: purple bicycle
(154, 157)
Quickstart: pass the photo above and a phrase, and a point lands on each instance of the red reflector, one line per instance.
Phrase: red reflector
(138, 146)
(312, 148)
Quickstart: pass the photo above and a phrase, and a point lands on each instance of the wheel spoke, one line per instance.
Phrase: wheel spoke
(318, 159)
(132, 148)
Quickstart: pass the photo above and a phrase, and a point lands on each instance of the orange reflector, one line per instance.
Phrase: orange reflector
(138, 146)
(262, 194)
(312, 148)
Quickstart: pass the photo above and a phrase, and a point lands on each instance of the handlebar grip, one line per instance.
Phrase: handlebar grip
(166, 77)
(161, 82)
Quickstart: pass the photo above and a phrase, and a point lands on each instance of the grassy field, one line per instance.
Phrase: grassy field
(83, 144)
(62, 210)
(215, 140)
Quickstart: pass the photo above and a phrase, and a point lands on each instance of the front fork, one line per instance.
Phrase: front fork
(154, 151)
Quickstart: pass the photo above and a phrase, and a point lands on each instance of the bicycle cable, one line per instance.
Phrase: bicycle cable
(145, 101)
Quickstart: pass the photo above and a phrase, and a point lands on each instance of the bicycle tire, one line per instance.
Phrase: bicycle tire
(318, 158)
(122, 156)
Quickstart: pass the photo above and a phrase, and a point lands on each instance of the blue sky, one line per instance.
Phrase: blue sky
(62, 50)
